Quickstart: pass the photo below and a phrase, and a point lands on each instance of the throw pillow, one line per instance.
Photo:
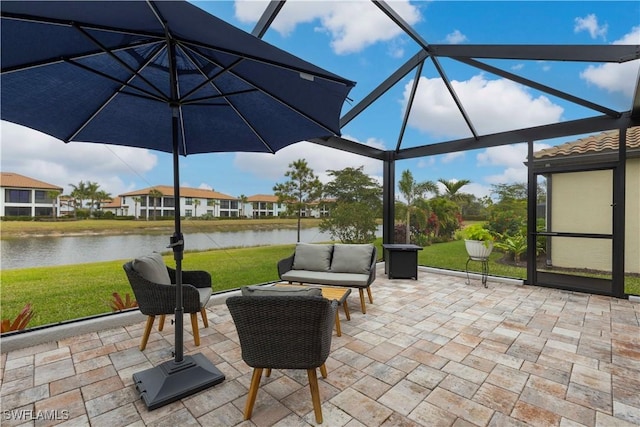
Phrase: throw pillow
(271, 291)
(312, 257)
(152, 268)
(351, 258)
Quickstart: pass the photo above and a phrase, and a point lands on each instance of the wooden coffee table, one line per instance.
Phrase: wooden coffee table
(330, 293)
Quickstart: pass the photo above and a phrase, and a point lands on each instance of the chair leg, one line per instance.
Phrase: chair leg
(194, 327)
(205, 321)
(161, 323)
(253, 392)
(370, 297)
(362, 306)
(315, 394)
(323, 370)
(267, 372)
(147, 331)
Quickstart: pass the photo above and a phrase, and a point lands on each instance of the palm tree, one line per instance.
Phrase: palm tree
(53, 195)
(79, 194)
(93, 194)
(136, 200)
(412, 190)
(451, 188)
(100, 197)
(196, 203)
(156, 194)
(242, 199)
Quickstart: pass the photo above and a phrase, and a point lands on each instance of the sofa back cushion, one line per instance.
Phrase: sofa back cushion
(351, 258)
(313, 257)
(271, 291)
(152, 268)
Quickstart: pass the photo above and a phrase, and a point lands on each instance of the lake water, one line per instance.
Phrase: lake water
(45, 251)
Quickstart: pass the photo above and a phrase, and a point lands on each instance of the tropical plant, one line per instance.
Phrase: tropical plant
(515, 245)
(20, 322)
(302, 189)
(242, 199)
(136, 201)
(196, 203)
(413, 190)
(478, 232)
(119, 304)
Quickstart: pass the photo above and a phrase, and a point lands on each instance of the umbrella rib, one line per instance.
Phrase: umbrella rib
(58, 59)
(222, 95)
(121, 82)
(116, 58)
(278, 99)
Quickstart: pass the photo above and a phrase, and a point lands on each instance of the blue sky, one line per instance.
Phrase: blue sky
(355, 40)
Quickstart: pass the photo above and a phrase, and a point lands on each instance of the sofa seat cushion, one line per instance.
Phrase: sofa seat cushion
(272, 291)
(351, 258)
(152, 268)
(312, 257)
(326, 278)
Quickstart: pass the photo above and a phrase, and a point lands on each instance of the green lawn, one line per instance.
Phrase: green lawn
(69, 292)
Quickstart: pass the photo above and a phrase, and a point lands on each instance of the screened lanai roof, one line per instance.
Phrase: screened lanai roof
(505, 60)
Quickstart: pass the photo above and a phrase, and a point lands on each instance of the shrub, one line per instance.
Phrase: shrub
(118, 304)
(20, 322)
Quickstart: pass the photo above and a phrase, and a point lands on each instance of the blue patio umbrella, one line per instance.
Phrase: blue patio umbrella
(164, 76)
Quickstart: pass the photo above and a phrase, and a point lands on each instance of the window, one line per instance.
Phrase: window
(14, 211)
(188, 201)
(224, 204)
(42, 197)
(43, 211)
(18, 196)
(188, 213)
(234, 204)
(169, 202)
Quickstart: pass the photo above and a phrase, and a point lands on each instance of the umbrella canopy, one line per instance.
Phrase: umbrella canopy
(103, 72)
(164, 76)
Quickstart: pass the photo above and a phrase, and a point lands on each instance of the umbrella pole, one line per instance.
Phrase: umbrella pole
(177, 243)
(183, 376)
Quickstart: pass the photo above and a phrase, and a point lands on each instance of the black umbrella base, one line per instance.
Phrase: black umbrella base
(172, 381)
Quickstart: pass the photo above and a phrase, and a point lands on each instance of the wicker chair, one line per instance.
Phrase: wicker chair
(155, 299)
(284, 332)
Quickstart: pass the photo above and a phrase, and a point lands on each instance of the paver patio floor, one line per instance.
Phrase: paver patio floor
(431, 352)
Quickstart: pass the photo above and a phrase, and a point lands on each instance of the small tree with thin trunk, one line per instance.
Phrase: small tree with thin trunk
(156, 194)
(303, 188)
(53, 195)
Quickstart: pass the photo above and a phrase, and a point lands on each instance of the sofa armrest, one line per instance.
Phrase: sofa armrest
(197, 278)
(372, 267)
(285, 265)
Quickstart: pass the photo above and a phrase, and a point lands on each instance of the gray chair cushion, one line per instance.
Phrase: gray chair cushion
(312, 257)
(332, 279)
(351, 258)
(152, 268)
(205, 294)
(277, 291)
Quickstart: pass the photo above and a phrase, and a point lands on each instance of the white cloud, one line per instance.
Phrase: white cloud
(620, 78)
(319, 158)
(456, 37)
(352, 26)
(590, 24)
(451, 157)
(39, 156)
(491, 105)
(511, 157)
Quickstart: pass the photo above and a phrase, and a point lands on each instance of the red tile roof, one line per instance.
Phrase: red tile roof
(167, 190)
(14, 180)
(605, 142)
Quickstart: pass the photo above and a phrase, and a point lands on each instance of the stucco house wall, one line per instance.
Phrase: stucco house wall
(581, 202)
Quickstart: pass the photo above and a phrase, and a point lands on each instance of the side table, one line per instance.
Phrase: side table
(401, 261)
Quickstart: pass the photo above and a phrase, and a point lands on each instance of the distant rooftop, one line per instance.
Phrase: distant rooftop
(15, 180)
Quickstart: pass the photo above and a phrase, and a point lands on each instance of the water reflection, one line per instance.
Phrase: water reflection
(46, 251)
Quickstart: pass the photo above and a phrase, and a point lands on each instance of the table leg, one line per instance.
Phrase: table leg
(345, 306)
(338, 330)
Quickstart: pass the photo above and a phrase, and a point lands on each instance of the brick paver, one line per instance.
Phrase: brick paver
(431, 352)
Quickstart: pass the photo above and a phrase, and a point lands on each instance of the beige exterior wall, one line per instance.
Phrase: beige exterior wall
(581, 203)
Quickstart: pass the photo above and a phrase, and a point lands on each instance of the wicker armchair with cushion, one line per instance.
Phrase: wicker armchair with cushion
(153, 285)
(284, 332)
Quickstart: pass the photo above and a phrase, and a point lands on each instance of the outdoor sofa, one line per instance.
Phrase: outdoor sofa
(346, 265)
